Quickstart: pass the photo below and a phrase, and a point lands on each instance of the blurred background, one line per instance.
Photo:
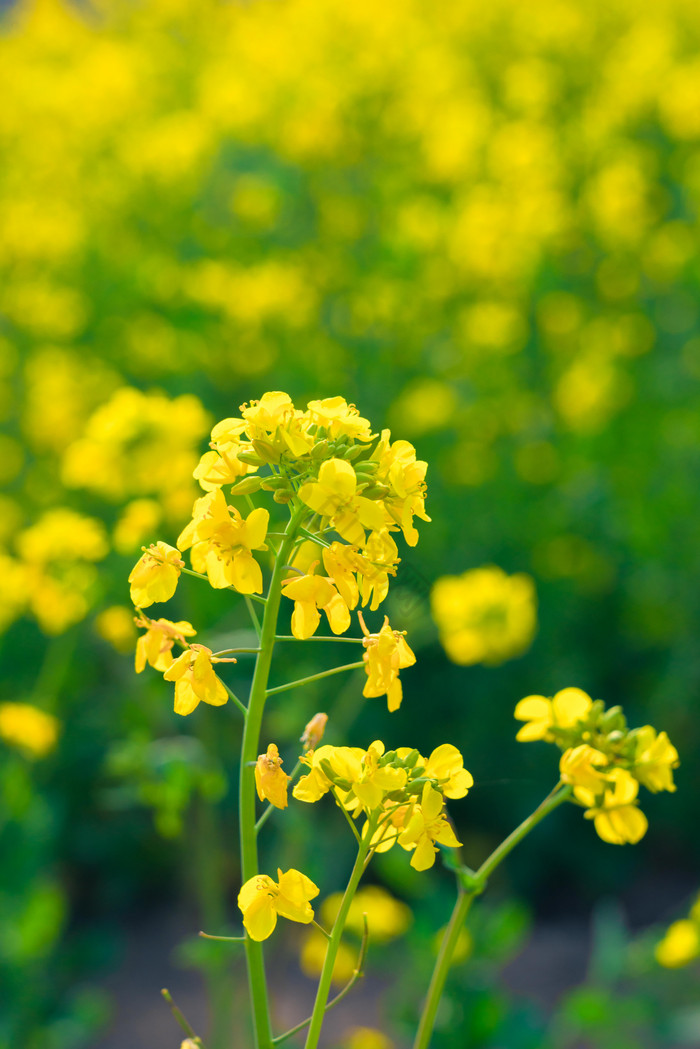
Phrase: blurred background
(480, 224)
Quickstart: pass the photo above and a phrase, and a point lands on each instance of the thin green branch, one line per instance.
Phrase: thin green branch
(313, 677)
(253, 614)
(222, 939)
(200, 575)
(232, 695)
(237, 652)
(358, 972)
(321, 929)
(180, 1018)
(347, 815)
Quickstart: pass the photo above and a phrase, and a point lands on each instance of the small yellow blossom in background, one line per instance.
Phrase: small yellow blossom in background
(387, 917)
(138, 523)
(63, 535)
(31, 730)
(313, 731)
(464, 948)
(195, 680)
(565, 710)
(154, 576)
(484, 615)
(313, 955)
(386, 653)
(680, 946)
(270, 781)
(366, 1038)
(116, 625)
(261, 900)
(155, 646)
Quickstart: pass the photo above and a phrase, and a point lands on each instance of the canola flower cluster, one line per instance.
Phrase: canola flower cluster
(345, 481)
(603, 761)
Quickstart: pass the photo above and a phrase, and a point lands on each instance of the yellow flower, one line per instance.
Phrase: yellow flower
(155, 646)
(275, 425)
(343, 763)
(309, 593)
(680, 945)
(484, 615)
(334, 496)
(446, 765)
(154, 576)
(374, 780)
(116, 625)
(405, 476)
(195, 680)
(615, 815)
(222, 542)
(386, 653)
(261, 899)
(580, 766)
(339, 418)
(366, 1038)
(426, 825)
(654, 760)
(313, 731)
(222, 465)
(270, 781)
(565, 710)
(28, 728)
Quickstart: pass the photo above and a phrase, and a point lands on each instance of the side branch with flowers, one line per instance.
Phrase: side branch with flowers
(347, 492)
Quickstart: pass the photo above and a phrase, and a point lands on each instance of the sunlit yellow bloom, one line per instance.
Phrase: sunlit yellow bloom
(343, 763)
(427, 824)
(31, 730)
(340, 561)
(565, 710)
(270, 781)
(680, 945)
(374, 780)
(195, 680)
(339, 418)
(484, 615)
(386, 653)
(313, 731)
(366, 1038)
(615, 815)
(386, 916)
(116, 625)
(139, 521)
(654, 759)
(580, 766)
(405, 476)
(275, 421)
(155, 646)
(334, 496)
(222, 542)
(309, 593)
(377, 562)
(154, 576)
(261, 899)
(446, 765)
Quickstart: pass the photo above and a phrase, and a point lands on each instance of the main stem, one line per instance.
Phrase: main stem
(249, 752)
(464, 901)
(324, 985)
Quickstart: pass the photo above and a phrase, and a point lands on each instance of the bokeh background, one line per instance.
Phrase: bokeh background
(479, 222)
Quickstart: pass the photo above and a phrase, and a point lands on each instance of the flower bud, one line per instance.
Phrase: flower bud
(313, 731)
(247, 486)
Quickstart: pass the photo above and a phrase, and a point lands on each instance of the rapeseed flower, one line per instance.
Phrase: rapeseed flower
(309, 593)
(426, 825)
(385, 654)
(681, 944)
(614, 812)
(31, 730)
(222, 542)
(655, 758)
(334, 496)
(155, 646)
(566, 710)
(313, 731)
(261, 900)
(271, 782)
(154, 576)
(195, 679)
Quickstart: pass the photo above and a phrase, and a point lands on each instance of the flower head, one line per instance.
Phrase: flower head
(270, 781)
(261, 900)
(309, 593)
(425, 826)
(313, 731)
(31, 730)
(222, 541)
(614, 812)
(154, 576)
(155, 646)
(386, 653)
(655, 758)
(195, 679)
(568, 707)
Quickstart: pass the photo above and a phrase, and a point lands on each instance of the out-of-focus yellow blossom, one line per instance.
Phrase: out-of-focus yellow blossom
(366, 1038)
(63, 535)
(615, 815)
(270, 781)
(313, 731)
(386, 653)
(568, 707)
(334, 495)
(654, 759)
(484, 615)
(581, 767)
(13, 594)
(309, 593)
(155, 646)
(139, 522)
(222, 542)
(261, 900)
(313, 955)
(680, 946)
(116, 625)
(195, 679)
(386, 916)
(154, 576)
(425, 826)
(31, 730)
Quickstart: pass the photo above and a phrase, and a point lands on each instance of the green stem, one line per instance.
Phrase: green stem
(324, 984)
(200, 575)
(471, 885)
(313, 677)
(232, 695)
(253, 614)
(247, 793)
